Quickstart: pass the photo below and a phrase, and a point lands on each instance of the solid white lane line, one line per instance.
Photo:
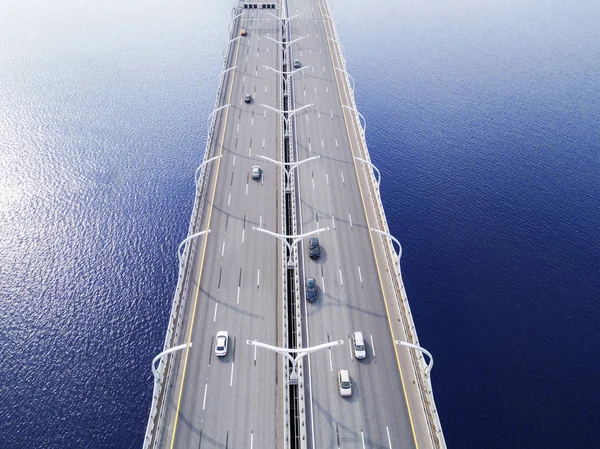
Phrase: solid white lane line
(333, 221)
(223, 249)
(389, 439)
(244, 79)
(204, 402)
(229, 200)
(251, 437)
(323, 284)
(260, 222)
(343, 182)
(327, 89)
(363, 439)
(331, 113)
(350, 348)
(322, 144)
(323, 69)
(215, 316)
(359, 275)
(313, 69)
(265, 114)
(318, 114)
(350, 218)
(305, 91)
(310, 50)
(234, 160)
(336, 144)
(341, 278)
(315, 89)
(249, 151)
(263, 142)
(330, 361)
(327, 178)
(231, 378)
(258, 279)
(246, 188)
(372, 345)
(238, 128)
(252, 121)
(306, 116)
(238, 296)
(243, 233)
(265, 89)
(255, 352)
(309, 147)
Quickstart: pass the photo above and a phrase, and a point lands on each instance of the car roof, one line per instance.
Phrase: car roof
(344, 375)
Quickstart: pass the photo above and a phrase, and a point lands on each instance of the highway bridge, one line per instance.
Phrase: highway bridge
(285, 103)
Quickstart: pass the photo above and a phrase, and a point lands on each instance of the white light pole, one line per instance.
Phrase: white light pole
(394, 239)
(228, 43)
(296, 238)
(196, 179)
(187, 239)
(285, 20)
(284, 166)
(290, 113)
(289, 74)
(287, 353)
(285, 43)
(423, 350)
(231, 21)
(374, 168)
(157, 378)
(349, 76)
(361, 116)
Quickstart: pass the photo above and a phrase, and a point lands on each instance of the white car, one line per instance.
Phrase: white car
(256, 172)
(345, 383)
(221, 343)
(360, 350)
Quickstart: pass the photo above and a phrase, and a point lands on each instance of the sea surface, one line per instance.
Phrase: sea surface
(483, 117)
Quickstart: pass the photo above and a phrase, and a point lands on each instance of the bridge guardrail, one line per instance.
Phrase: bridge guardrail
(153, 428)
(419, 364)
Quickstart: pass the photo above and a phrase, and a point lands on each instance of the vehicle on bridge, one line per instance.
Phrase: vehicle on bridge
(314, 249)
(344, 383)
(221, 343)
(311, 289)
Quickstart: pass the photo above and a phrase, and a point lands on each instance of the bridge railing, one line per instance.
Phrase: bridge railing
(185, 278)
(418, 362)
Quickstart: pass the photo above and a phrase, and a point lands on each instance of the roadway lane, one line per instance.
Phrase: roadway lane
(231, 401)
(351, 295)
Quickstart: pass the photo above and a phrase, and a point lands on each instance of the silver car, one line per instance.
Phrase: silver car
(256, 171)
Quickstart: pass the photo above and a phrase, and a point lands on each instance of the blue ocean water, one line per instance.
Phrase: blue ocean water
(483, 118)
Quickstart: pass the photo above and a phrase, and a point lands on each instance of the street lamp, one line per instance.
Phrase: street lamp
(423, 350)
(284, 238)
(374, 168)
(394, 239)
(287, 353)
(290, 113)
(289, 74)
(288, 171)
(346, 72)
(187, 239)
(227, 44)
(157, 379)
(361, 116)
(196, 179)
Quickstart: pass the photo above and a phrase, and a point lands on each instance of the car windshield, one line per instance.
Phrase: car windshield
(360, 347)
(345, 384)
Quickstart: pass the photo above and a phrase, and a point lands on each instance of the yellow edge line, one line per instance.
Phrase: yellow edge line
(370, 234)
(204, 249)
